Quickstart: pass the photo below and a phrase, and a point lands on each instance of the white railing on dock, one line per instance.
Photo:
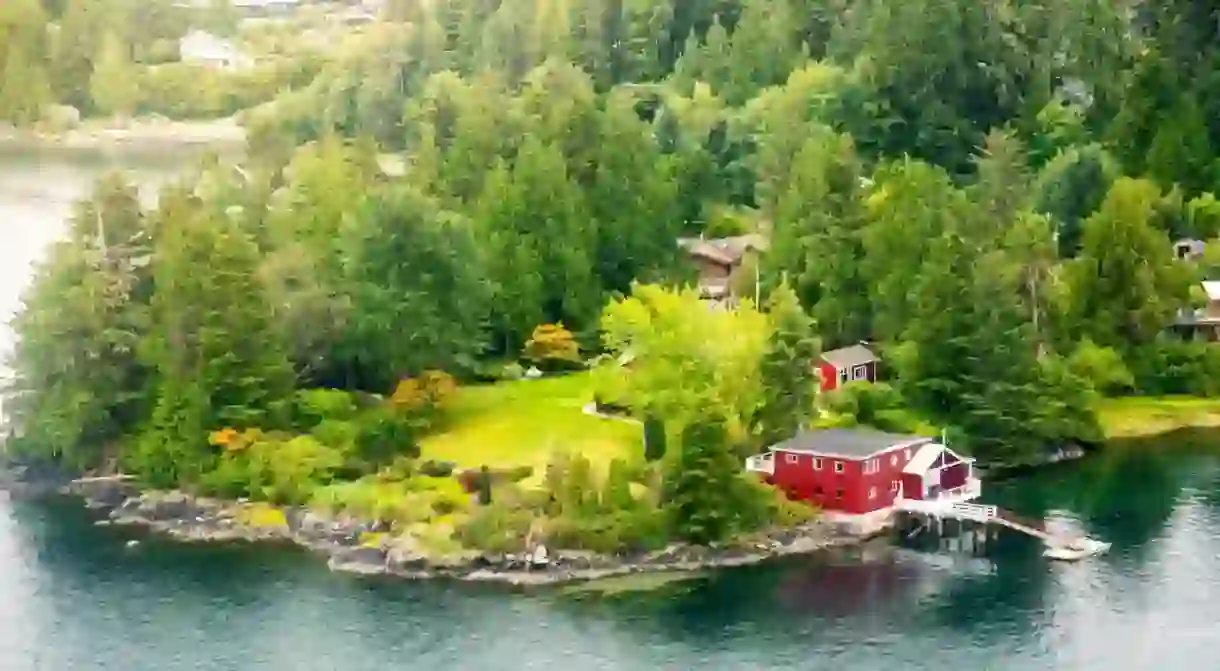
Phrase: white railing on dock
(974, 512)
(761, 463)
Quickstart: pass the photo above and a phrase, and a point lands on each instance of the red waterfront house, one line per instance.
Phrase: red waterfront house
(856, 475)
(848, 364)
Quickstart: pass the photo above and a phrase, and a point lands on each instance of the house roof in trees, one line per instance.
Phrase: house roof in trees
(847, 443)
(1213, 290)
(846, 357)
(725, 251)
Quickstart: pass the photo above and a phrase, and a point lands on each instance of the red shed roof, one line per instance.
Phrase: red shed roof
(850, 444)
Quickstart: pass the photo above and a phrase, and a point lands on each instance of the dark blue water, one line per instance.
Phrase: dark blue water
(75, 597)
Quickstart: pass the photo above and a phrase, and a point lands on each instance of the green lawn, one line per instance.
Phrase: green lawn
(523, 422)
(1138, 416)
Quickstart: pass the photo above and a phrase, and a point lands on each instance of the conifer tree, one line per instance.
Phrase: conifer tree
(787, 369)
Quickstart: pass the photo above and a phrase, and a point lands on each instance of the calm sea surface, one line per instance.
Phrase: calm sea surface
(74, 596)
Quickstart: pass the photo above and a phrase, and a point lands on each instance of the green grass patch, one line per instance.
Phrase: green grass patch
(523, 422)
(1141, 416)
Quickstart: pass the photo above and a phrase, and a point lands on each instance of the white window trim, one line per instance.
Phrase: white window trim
(872, 493)
(838, 467)
(791, 458)
(893, 460)
(817, 463)
(859, 372)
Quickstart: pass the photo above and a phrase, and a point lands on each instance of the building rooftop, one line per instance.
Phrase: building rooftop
(847, 443)
(1213, 290)
(725, 251)
(845, 357)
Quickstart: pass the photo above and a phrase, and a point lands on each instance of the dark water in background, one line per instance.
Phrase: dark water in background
(72, 596)
(76, 598)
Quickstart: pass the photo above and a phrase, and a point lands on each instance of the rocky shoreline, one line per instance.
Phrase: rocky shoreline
(360, 547)
(136, 136)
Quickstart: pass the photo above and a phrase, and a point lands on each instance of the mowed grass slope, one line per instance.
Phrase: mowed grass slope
(524, 422)
(1138, 416)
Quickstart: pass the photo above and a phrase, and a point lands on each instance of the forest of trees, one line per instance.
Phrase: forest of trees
(989, 191)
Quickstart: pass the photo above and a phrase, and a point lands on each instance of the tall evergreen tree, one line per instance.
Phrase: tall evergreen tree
(1125, 284)
(218, 359)
(787, 369)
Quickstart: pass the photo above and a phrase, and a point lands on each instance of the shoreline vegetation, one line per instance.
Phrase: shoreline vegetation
(363, 548)
(144, 135)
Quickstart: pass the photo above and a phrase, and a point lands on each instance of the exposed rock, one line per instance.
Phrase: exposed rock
(364, 560)
(103, 492)
(405, 555)
(32, 481)
(340, 540)
(162, 507)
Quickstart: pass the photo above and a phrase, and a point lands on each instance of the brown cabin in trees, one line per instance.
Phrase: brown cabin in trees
(720, 263)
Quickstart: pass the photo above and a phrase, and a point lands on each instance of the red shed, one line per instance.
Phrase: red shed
(937, 472)
(849, 364)
(856, 475)
(854, 471)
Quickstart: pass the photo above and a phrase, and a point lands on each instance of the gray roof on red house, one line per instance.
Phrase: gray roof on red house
(847, 443)
(846, 357)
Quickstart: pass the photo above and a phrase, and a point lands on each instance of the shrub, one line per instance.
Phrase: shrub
(313, 407)
(552, 347)
(336, 433)
(426, 395)
(472, 480)
(654, 438)
(637, 530)
(1175, 367)
(437, 469)
(385, 433)
(261, 515)
(1102, 367)
(865, 401)
(271, 469)
(367, 499)
(496, 528)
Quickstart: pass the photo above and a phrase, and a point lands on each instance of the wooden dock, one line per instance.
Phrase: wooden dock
(1058, 545)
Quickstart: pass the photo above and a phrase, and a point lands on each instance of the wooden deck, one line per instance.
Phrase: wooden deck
(1057, 543)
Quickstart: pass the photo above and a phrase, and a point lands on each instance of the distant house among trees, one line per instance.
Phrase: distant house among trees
(848, 364)
(1203, 323)
(1188, 249)
(203, 48)
(725, 264)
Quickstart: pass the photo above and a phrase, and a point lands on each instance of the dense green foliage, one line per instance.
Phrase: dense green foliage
(989, 192)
